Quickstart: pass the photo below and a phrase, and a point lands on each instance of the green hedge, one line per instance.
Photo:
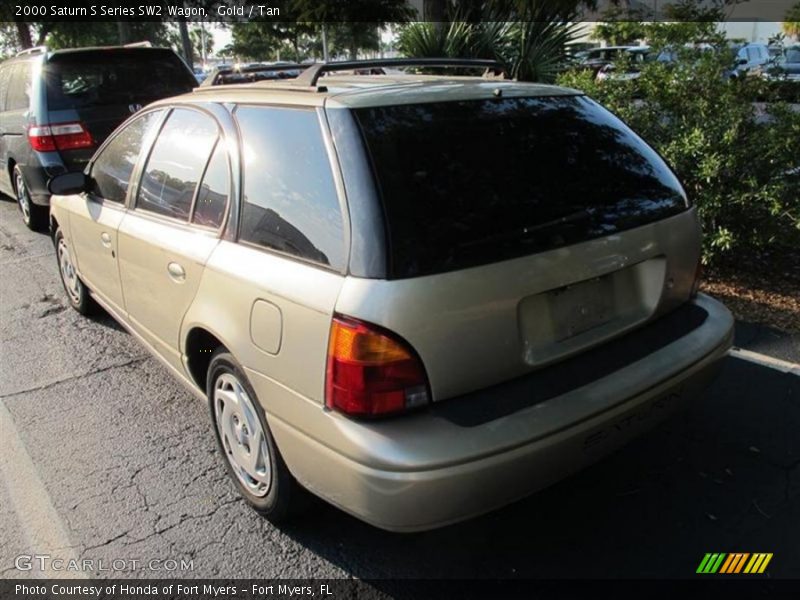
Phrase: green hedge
(734, 144)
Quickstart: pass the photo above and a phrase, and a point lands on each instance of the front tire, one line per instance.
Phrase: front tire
(33, 215)
(77, 293)
(251, 457)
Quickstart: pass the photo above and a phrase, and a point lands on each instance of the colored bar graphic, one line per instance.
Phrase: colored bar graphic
(741, 562)
(766, 562)
(733, 563)
(754, 563)
(727, 564)
(703, 563)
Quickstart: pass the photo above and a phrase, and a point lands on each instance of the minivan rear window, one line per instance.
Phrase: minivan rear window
(466, 183)
(114, 76)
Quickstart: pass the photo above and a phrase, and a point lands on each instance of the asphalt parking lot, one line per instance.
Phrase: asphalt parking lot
(103, 455)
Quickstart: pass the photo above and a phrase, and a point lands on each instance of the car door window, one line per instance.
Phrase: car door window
(176, 164)
(5, 78)
(290, 199)
(19, 89)
(212, 197)
(112, 170)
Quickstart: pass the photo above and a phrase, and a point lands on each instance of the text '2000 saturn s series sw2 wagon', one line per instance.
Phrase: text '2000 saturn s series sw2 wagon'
(419, 297)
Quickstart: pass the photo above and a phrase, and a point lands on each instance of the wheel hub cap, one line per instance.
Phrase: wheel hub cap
(242, 436)
(68, 274)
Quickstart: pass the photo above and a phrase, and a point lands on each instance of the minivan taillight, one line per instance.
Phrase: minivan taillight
(371, 372)
(63, 136)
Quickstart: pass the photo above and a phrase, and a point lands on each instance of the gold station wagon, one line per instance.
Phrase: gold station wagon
(418, 297)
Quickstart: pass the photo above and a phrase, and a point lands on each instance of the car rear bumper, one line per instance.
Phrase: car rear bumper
(36, 178)
(430, 469)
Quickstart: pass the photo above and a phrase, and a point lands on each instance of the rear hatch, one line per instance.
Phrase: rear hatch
(521, 231)
(101, 87)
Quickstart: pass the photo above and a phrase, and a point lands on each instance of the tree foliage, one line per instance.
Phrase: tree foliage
(791, 26)
(736, 156)
(528, 38)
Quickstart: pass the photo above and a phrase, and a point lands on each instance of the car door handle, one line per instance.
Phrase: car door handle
(176, 272)
(105, 239)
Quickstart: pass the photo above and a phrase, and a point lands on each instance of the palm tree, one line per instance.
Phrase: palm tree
(529, 38)
(791, 26)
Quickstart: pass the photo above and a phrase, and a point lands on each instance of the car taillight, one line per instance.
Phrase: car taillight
(698, 278)
(63, 136)
(371, 372)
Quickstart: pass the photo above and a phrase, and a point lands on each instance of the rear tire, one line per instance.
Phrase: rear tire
(77, 293)
(245, 442)
(34, 216)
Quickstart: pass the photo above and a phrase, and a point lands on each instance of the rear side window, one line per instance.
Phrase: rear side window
(474, 182)
(112, 170)
(19, 87)
(133, 76)
(290, 200)
(176, 164)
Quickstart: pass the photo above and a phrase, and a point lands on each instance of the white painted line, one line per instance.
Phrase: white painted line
(766, 361)
(37, 517)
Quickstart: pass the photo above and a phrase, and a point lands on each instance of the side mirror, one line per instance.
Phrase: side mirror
(68, 183)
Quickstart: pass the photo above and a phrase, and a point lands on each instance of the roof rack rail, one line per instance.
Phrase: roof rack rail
(33, 50)
(311, 75)
(143, 44)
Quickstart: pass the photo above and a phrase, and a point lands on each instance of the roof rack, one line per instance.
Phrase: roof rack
(311, 75)
(143, 44)
(34, 50)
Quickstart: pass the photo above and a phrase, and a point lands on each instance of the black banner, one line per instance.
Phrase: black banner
(337, 589)
(368, 12)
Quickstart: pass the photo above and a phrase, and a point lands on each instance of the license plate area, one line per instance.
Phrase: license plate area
(562, 321)
(582, 306)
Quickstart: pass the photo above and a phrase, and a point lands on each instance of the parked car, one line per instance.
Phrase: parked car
(229, 74)
(749, 60)
(598, 58)
(56, 107)
(419, 297)
(199, 74)
(787, 65)
(632, 60)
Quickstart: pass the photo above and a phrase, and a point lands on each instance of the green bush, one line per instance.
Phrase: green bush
(737, 155)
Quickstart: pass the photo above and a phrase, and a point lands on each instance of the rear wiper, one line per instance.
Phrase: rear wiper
(578, 215)
(527, 230)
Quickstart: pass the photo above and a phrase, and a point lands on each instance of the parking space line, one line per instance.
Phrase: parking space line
(37, 517)
(766, 361)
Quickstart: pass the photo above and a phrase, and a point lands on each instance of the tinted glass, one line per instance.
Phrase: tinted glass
(111, 172)
(85, 79)
(793, 55)
(19, 90)
(474, 182)
(176, 164)
(290, 201)
(5, 78)
(209, 209)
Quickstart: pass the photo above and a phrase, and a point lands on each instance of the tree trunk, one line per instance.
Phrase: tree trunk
(23, 35)
(124, 32)
(433, 10)
(186, 42)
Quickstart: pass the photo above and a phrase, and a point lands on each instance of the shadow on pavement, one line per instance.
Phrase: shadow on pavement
(721, 477)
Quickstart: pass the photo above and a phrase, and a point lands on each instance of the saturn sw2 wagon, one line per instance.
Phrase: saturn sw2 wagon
(419, 297)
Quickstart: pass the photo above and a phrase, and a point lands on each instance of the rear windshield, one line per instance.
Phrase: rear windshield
(105, 77)
(473, 182)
